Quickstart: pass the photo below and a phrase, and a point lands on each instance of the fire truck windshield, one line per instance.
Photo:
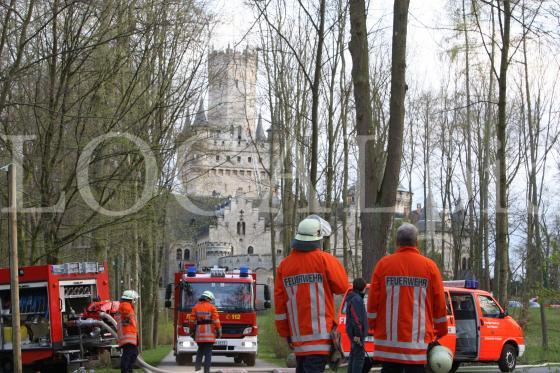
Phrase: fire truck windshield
(230, 296)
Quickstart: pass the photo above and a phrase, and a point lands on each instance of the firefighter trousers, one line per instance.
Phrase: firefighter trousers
(204, 350)
(128, 357)
(387, 367)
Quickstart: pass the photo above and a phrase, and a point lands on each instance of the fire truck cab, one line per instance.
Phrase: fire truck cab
(236, 301)
(479, 329)
(51, 297)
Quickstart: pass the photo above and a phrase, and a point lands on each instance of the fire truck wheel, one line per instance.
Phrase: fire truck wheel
(455, 366)
(508, 359)
(237, 359)
(250, 360)
(183, 359)
(6, 365)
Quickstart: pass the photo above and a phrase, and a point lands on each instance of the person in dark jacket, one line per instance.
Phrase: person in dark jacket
(356, 325)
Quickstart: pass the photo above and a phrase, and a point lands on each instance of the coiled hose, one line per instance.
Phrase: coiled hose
(90, 322)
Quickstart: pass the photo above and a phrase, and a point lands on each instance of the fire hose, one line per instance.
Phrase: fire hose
(93, 322)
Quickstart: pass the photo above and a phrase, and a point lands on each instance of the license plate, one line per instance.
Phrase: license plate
(220, 342)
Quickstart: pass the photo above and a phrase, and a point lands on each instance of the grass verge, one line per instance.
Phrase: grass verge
(272, 347)
(535, 352)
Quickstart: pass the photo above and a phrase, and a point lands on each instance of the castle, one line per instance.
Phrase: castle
(227, 157)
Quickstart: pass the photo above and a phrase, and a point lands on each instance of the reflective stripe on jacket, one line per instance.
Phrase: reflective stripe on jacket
(303, 299)
(127, 332)
(206, 320)
(406, 306)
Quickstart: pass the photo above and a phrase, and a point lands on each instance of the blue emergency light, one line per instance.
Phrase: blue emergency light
(471, 284)
(191, 271)
(243, 271)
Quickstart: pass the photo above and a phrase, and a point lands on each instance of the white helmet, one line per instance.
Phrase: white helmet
(130, 295)
(440, 359)
(326, 229)
(207, 294)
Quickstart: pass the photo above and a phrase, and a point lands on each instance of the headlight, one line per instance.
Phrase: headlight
(249, 344)
(187, 344)
(248, 330)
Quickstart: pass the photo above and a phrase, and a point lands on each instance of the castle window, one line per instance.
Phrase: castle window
(238, 159)
(227, 172)
(228, 158)
(217, 158)
(241, 172)
(231, 130)
(249, 174)
(235, 172)
(250, 250)
(464, 264)
(187, 255)
(221, 172)
(243, 227)
(239, 133)
(179, 254)
(249, 159)
(238, 227)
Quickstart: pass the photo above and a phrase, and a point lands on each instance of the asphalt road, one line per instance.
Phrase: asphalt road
(226, 365)
(218, 363)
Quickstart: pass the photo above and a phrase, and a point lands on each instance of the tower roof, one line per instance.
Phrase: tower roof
(201, 114)
(260, 130)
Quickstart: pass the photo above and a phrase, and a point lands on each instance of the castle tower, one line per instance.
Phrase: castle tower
(229, 154)
(232, 78)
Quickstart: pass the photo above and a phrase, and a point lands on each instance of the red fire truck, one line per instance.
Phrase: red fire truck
(52, 299)
(236, 300)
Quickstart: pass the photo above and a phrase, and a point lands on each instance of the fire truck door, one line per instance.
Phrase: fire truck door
(490, 333)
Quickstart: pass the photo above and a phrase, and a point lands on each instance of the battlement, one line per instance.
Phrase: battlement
(232, 53)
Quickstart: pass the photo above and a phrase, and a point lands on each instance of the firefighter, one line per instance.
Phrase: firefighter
(303, 296)
(356, 325)
(127, 330)
(406, 306)
(205, 322)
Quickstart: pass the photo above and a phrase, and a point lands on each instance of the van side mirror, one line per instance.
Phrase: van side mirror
(168, 293)
(504, 314)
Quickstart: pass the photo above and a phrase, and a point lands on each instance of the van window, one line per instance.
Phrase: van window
(489, 307)
(448, 304)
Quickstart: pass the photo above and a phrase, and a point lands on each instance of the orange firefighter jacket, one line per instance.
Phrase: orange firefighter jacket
(303, 299)
(205, 321)
(127, 331)
(406, 306)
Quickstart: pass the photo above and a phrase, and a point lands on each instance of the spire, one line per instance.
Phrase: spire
(187, 122)
(260, 131)
(201, 114)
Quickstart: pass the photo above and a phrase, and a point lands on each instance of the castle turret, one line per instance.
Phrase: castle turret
(232, 77)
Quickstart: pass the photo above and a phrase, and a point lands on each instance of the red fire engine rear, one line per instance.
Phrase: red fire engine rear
(52, 300)
(236, 300)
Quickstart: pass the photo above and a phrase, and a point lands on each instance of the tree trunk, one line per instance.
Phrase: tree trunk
(502, 252)
(378, 200)
(315, 92)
